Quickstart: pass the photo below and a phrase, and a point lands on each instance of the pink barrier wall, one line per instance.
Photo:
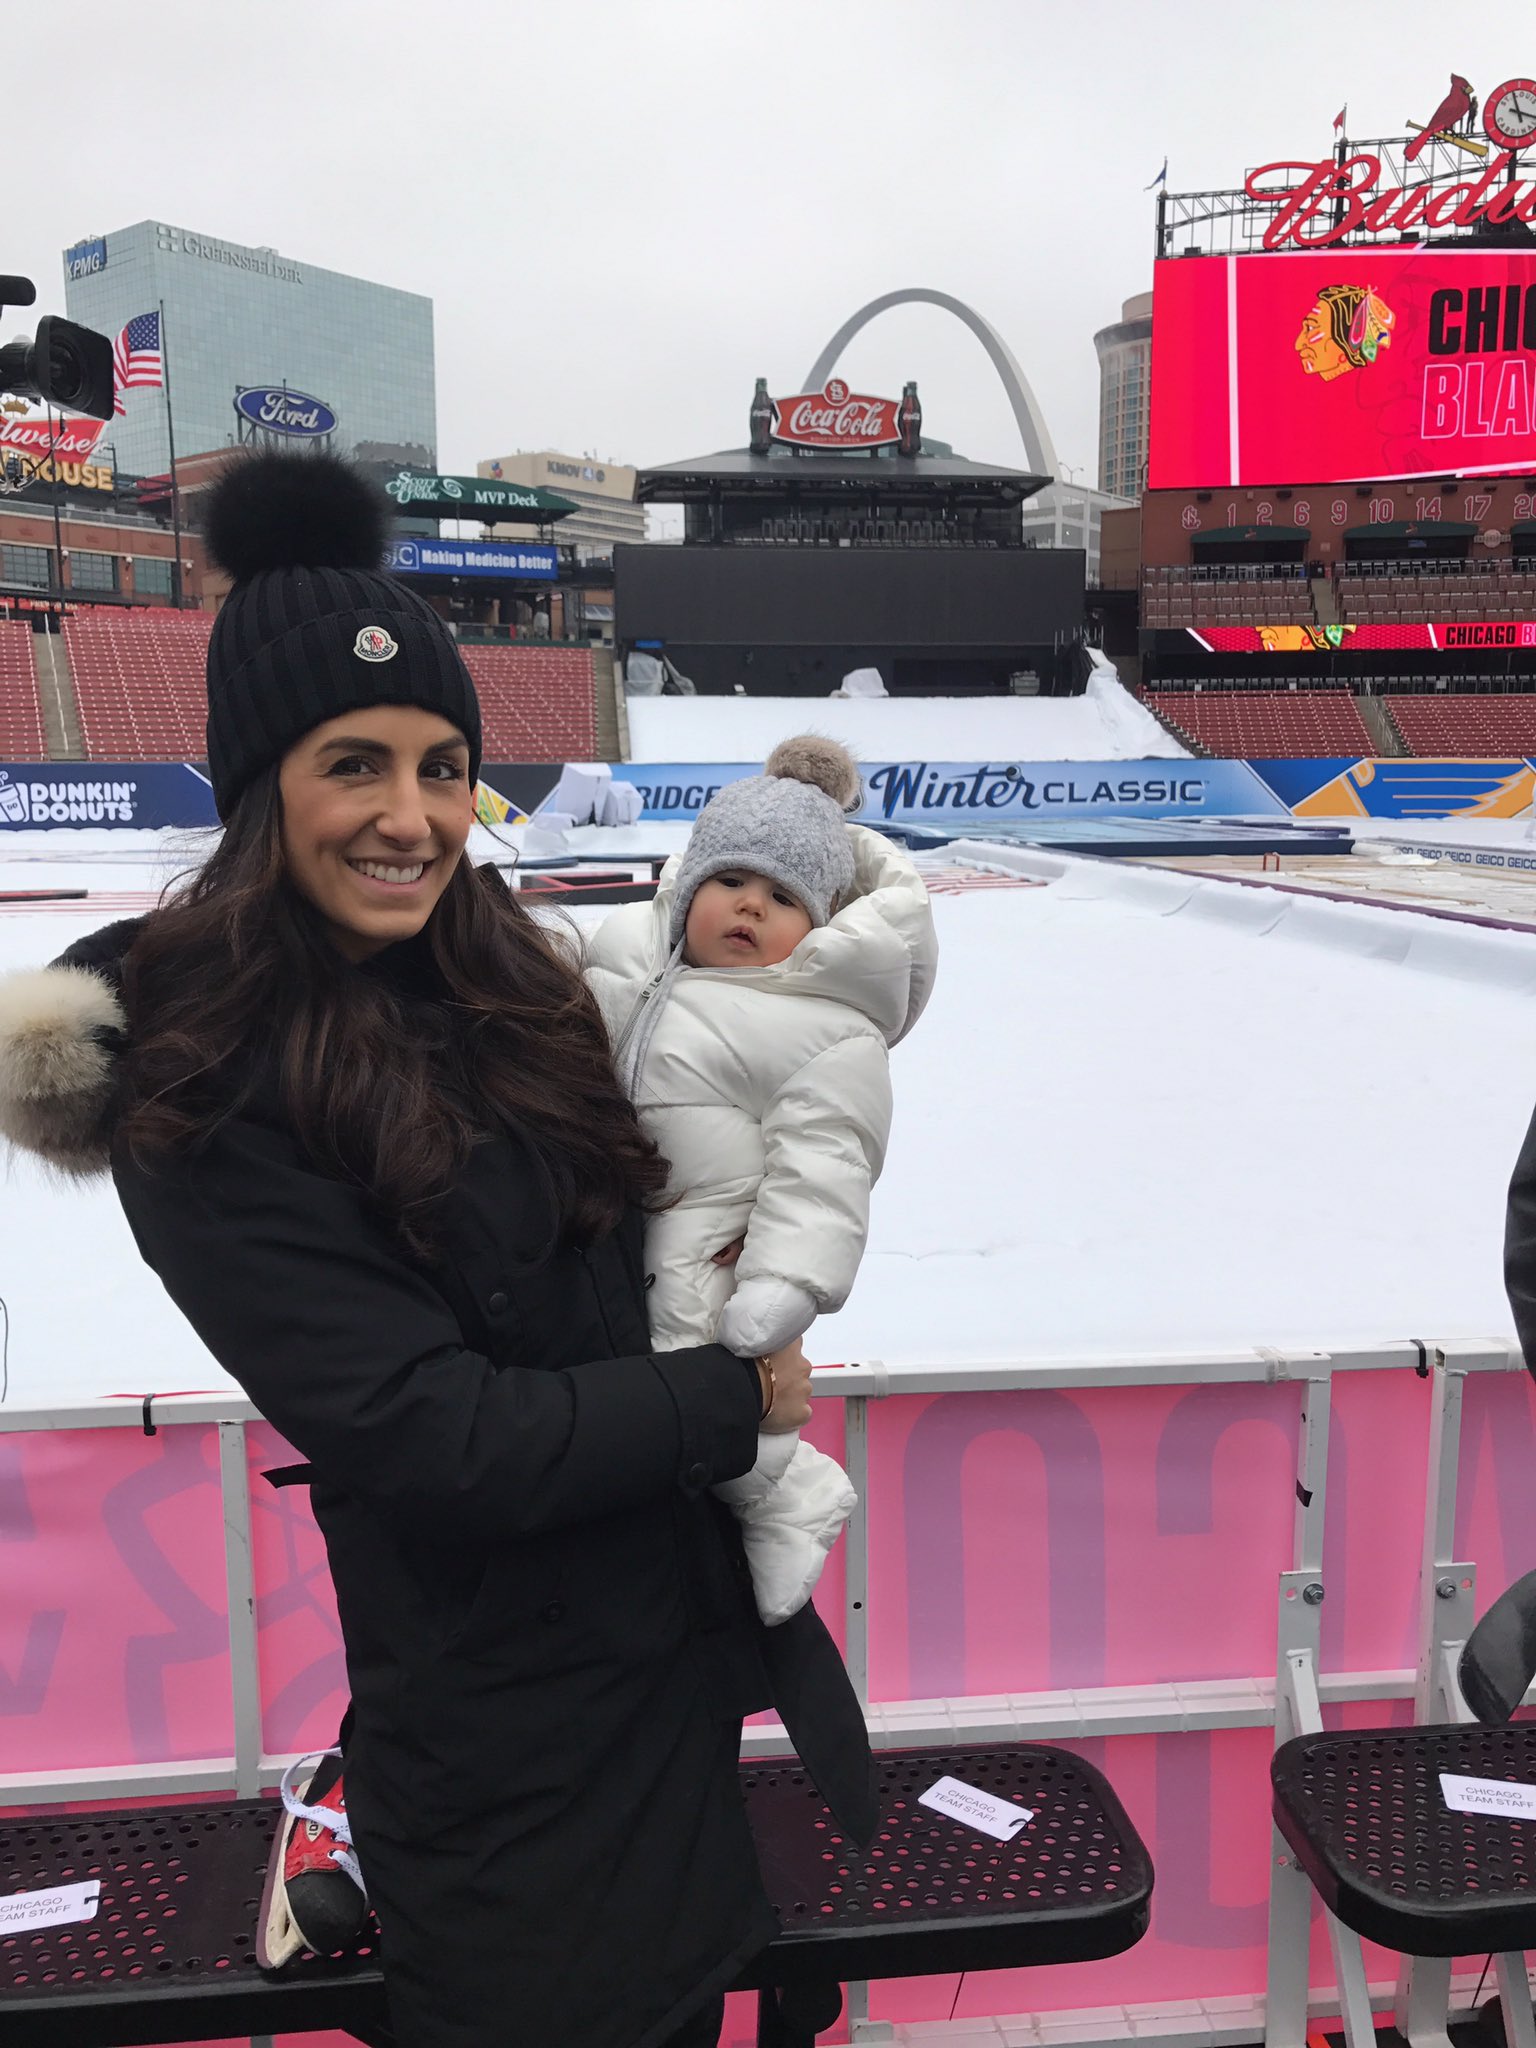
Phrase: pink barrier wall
(1019, 1541)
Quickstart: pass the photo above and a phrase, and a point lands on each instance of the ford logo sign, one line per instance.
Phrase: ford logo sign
(285, 412)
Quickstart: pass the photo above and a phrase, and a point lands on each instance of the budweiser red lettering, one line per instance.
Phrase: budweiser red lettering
(70, 439)
(836, 418)
(1319, 204)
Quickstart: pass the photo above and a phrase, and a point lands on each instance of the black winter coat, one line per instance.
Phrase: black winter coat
(1520, 1247)
(549, 1627)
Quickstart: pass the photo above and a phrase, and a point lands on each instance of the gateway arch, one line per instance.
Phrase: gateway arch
(1033, 431)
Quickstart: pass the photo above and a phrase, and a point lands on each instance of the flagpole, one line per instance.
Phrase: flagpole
(55, 421)
(170, 437)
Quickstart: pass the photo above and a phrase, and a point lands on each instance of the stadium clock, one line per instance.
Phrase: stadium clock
(1509, 113)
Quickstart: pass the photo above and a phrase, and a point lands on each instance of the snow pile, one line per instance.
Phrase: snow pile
(1143, 1112)
(1106, 723)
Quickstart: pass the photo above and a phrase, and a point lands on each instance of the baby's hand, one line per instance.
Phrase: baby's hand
(730, 1253)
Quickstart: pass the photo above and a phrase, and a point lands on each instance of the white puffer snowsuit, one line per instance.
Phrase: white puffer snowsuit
(768, 1090)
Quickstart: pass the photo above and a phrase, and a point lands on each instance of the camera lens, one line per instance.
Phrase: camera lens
(63, 372)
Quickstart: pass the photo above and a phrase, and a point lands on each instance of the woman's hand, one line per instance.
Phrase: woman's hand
(791, 1382)
(729, 1254)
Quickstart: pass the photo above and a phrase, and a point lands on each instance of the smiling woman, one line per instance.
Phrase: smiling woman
(377, 806)
(362, 1117)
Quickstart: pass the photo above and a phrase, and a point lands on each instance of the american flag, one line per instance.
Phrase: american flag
(136, 357)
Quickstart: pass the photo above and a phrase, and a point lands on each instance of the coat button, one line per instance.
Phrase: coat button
(497, 1302)
(555, 1611)
(696, 1475)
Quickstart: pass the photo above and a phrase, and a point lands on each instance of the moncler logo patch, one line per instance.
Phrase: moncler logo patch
(374, 644)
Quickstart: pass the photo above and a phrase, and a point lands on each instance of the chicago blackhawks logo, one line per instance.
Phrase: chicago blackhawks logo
(1346, 329)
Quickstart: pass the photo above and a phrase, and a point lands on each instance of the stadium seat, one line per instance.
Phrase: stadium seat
(21, 715)
(139, 684)
(536, 703)
(1465, 727)
(1265, 724)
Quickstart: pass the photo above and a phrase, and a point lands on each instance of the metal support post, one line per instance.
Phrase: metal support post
(240, 1584)
(1298, 1711)
(1515, 1997)
(856, 1635)
(1421, 2007)
(856, 1546)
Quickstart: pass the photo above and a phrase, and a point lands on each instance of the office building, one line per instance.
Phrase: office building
(605, 492)
(1125, 383)
(309, 354)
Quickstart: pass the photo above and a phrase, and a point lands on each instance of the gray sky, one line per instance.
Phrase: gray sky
(626, 210)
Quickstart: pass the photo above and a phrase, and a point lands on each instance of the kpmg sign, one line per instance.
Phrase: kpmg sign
(86, 258)
(473, 558)
(277, 410)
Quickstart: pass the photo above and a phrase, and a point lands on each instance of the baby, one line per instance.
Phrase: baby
(752, 1006)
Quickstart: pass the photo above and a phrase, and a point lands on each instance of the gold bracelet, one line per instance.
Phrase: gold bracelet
(773, 1389)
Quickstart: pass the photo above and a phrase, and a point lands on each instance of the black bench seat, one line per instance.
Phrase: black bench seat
(170, 1954)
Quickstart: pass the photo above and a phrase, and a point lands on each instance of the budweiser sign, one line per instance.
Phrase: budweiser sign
(70, 439)
(1319, 204)
(836, 418)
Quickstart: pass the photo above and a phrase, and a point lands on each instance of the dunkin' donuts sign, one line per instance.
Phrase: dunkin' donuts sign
(836, 417)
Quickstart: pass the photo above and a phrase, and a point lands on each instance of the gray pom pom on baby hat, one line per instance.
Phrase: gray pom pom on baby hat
(789, 823)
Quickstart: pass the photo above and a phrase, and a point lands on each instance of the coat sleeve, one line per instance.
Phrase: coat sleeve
(1520, 1247)
(360, 1362)
(824, 1140)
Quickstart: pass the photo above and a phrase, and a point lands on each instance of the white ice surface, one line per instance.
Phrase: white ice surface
(1106, 723)
(1144, 1111)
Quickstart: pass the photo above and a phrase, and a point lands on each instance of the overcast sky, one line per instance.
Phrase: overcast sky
(626, 210)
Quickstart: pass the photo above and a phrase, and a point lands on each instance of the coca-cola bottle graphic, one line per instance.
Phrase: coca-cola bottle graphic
(761, 418)
(909, 422)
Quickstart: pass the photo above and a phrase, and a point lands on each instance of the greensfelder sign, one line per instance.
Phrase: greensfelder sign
(417, 490)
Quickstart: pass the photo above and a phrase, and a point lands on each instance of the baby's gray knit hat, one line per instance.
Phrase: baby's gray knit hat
(789, 823)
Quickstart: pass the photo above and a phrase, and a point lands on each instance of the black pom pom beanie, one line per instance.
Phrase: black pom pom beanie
(312, 627)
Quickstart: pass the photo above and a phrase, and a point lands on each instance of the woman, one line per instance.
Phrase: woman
(362, 1120)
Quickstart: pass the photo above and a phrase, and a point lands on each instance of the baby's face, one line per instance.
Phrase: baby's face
(739, 919)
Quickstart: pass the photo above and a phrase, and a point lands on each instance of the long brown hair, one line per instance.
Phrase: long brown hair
(234, 981)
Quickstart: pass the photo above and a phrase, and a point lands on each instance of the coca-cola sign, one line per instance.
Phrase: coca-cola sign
(836, 418)
(1320, 204)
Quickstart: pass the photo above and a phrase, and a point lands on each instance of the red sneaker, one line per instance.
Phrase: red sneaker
(314, 1896)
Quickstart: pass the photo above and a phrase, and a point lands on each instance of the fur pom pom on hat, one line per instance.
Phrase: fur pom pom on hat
(789, 823)
(313, 627)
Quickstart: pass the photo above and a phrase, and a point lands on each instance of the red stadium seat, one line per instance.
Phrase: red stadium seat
(139, 684)
(1265, 725)
(21, 714)
(1465, 727)
(536, 703)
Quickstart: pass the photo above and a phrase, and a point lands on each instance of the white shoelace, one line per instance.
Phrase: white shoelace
(332, 1817)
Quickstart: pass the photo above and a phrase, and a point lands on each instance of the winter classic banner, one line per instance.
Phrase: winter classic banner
(962, 797)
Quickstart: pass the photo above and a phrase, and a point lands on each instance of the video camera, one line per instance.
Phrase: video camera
(64, 364)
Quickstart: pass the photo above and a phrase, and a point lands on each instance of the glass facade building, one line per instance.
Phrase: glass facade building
(238, 317)
(1125, 384)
